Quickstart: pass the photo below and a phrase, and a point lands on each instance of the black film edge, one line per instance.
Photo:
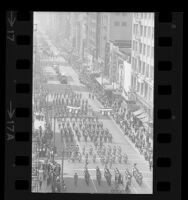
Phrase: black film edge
(167, 109)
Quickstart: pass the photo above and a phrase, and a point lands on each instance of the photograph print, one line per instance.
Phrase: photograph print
(93, 91)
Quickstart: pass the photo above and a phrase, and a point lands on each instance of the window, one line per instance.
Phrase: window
(152, 34)
(146, 90)
(152, 52)
(132, 81)
(116, 23)
(145, 30)
(147, 70)
(149, 94)
(134, 29)
(142, 88)
(124, 14)
(117, 13)
(135, 65)
(132, 64)
(144, 49)
(136, 45)
(140, 48)
(137, 30)
(148, 50)
(149, 32)
(138, 86)
(143, 68)
(151, 71)
(133, 45)
(124, 23)
(141, 30)
(139, 65)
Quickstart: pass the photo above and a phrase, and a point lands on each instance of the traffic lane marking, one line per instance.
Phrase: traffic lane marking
(93, 177)
(97, 102)
(93, 184)
(129, 142)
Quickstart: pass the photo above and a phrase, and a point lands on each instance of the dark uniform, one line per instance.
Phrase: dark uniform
(75, 179)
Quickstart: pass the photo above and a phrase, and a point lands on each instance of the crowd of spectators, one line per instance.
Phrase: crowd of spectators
(130, 125)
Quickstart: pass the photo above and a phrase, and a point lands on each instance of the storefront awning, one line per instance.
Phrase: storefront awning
(73, 108)
(138, 112)
(142, 116)
(146, 120)
(102, 81)
(105, 109)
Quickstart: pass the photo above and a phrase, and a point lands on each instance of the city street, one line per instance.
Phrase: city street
(118, 139)
(80, 146)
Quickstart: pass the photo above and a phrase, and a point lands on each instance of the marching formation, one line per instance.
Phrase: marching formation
(76, 147)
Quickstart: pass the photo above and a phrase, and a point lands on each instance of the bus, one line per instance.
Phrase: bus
(64, 79)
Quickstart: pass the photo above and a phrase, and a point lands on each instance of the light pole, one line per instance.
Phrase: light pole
(63, 151)
(62, 168)
(102, 66)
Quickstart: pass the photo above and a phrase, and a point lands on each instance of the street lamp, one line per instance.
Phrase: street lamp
(63, 151)
(54, 131)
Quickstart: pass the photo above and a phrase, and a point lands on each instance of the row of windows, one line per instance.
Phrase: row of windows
(119, 13)
(92, 34)
(143, 48)
(144, 15)
(143, 68)
(104, 19)
(143, 89)
(143, 31)
(117, 23)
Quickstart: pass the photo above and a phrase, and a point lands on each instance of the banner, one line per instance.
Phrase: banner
(74, 108)
(105, 109)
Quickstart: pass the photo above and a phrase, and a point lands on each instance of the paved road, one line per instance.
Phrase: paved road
(118, 139)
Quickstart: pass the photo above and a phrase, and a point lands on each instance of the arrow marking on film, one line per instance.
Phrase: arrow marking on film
(11, 111)
(10, 137)
(12, 19)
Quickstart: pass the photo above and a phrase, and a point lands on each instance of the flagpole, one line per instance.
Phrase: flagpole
(54, 131)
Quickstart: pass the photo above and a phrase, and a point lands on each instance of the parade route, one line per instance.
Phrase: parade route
(120, 139)
(69, 110)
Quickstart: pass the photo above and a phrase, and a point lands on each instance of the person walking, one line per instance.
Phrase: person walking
(40, 183)
(75, 179)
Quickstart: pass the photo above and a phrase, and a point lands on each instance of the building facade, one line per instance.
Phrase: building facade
(120, 26)
(142, 79)
(115, 27)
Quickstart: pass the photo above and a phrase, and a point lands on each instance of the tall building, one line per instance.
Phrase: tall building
(142, 80)
(76, 32)
(91, 34)
(120, 28)
(117, 28)
(53, 24)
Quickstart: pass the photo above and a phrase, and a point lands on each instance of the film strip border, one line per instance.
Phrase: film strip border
(167, 109)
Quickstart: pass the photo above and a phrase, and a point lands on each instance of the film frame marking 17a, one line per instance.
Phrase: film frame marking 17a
(167, 115)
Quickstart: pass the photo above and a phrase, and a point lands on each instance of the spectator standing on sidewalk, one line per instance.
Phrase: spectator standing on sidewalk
(75, 179)
(40, 182)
